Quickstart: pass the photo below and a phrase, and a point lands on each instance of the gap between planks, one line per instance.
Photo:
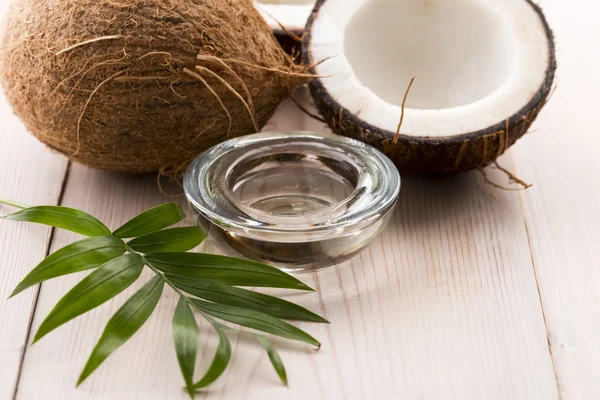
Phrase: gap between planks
(38, 290)
(537, 284)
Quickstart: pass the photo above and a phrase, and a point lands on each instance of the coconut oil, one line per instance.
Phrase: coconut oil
(300, 201)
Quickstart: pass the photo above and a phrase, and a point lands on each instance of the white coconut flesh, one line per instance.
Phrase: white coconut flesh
(477, 62)
(292, 14)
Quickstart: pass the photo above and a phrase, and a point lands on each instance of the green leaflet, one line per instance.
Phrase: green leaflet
(175, 239)
(98, 287)
(185, 335)
(232, 271)
(255, 320)
(152, 220)
(79, 256)
(232, 296)
(62, 217)
(124, 324)
(274, 357)
(221, 359)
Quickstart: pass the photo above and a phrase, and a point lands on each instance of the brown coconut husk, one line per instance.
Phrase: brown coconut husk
(143, 85)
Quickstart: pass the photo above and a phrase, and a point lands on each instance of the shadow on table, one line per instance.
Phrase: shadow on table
(442, 227)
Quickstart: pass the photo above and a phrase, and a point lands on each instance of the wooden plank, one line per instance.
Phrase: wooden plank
(443, 305)
(562, 209)
(31, 174)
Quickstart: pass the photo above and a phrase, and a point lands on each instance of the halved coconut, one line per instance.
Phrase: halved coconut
(292, 14)
(484, 70)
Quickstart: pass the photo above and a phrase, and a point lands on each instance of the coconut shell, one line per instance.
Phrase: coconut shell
(430, 155)
(291, 45)
(105, 83)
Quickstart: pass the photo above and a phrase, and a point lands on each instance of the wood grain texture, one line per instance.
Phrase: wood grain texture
(463, 297)
(30, 174)
(443, 305)
(562, 209)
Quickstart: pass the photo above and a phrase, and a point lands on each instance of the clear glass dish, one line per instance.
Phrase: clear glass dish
(300, 201)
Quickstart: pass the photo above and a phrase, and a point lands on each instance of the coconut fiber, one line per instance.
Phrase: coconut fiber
(141, 85)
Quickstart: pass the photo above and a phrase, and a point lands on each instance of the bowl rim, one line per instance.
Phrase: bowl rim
(250, 226)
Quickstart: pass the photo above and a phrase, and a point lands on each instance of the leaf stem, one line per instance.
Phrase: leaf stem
(13, 204)
(167, 280)
(175, 288)
(157, 272)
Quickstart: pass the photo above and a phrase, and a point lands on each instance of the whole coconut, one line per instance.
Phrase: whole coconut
(138, 85)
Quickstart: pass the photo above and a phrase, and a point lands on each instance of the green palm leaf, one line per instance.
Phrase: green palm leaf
(232, 296)
(232, 271)
(255, 320)
(185, 335)
(221, 359)
(174, 239)
(98, 287)
(152, 220)
(62, 217)
(211, 278)
(79, 256)
(274, 357)
(124, 324)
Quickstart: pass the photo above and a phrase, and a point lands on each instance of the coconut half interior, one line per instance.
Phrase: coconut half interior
(292, 14)
(477, 62)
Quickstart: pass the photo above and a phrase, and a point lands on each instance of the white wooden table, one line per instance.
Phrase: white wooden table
(465, 296)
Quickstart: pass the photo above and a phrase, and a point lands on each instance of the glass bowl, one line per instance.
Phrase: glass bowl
(300, 201)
